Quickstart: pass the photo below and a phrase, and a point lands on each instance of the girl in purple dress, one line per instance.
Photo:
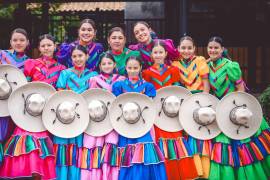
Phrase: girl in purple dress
(87, 33)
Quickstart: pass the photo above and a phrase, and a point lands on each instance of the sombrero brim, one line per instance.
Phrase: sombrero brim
(140, 128)
(59, 129)
(186, 116)
(164, 122)
(16, 76)
(104, 127)
(16, 105)
(226, 105)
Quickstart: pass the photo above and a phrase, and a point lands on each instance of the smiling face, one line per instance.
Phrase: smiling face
(214, 50)
(47, 47)
(79, 58)
(19, 42)
(142, 33)
(86, 33)
(117, 41)
(133, 68)
(107, 65)
(158, 54)
(186, 49)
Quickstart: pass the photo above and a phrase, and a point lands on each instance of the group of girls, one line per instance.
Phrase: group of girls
(143, 68)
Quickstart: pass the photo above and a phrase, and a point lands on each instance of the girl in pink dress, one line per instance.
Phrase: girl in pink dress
(102, 165)
(28, 154)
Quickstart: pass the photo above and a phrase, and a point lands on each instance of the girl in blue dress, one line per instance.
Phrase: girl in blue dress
(152, 165)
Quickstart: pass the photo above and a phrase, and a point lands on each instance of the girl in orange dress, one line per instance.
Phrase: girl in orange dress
(161, 75)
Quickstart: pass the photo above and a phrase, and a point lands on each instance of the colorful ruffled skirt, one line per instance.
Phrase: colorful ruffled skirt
(27, 154)
(68, 153)
(245, 159)
(100, 157)
(201, 150)
(177, 153)
(140, 158)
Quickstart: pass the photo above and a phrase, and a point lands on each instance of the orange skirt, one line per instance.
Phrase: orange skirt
(178, 161)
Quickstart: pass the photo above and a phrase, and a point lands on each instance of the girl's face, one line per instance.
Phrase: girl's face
(186, 49)
(214, 50)
(117, 41)
(133, 68)
(142, 33)
(107, 65)
(47, 47)
(19, 42)
(158, 54)
(79, 58)
(87, 33)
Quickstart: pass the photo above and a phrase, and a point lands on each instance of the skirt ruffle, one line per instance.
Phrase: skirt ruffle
(174, 149)
(25, 155)
(201, 147)
(25, 144)
(110, 155)
(141, 153)
(91, 158)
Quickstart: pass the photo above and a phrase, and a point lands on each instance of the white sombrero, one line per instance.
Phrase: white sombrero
(11, 78)
(26, 104)
(132, 114)
(65, 114)
(168, 101)
(239, 115)
(98, 101)
(198, 116)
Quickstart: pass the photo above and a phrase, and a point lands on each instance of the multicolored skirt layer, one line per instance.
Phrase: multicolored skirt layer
(100, 157)
(28, 154)
(245, 159)
(140, 160)
(68, 153)
(177, 153)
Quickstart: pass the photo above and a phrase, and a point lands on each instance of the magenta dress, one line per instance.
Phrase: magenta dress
(26, 152)
(102, 150)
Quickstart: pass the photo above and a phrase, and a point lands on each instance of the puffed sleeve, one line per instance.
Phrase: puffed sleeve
(172, 51)
(234, 72)
(28, 69)
(133, 47)
(150, 90)
(64, 53)
(62, 80)
(117, 88)
(203, 68)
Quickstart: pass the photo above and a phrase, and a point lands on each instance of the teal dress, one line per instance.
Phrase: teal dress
(68, 149)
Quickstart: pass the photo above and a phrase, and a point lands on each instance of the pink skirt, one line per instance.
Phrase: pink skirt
(28, 153)
(99, 159)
